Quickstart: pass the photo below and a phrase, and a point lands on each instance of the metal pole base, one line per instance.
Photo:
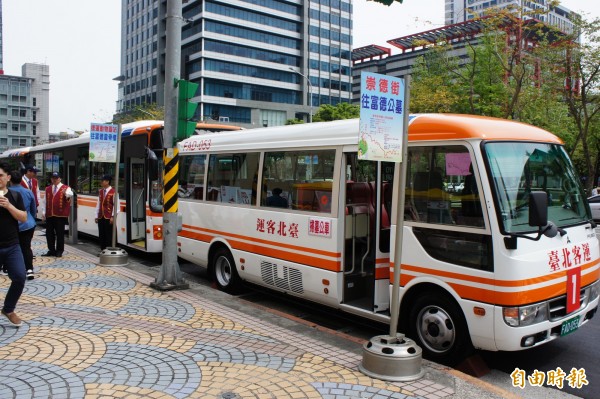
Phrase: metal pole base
(164, 286)
(113, 257)
(391, 358)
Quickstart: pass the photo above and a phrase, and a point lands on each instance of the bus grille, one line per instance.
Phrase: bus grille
(558, 307)
(288, 279)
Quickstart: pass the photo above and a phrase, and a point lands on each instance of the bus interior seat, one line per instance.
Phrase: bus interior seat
(360, 212)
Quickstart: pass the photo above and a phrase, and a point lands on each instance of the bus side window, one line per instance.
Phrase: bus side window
(472, 214)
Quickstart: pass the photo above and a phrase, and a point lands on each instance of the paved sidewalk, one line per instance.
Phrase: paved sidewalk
(102, 332)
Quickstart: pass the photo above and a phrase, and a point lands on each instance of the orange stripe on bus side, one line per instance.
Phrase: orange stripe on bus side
(254, 239)
(382, 273)
(86, 202)
(491, 281)
(92, 204)
(527, 296)
(331, 265)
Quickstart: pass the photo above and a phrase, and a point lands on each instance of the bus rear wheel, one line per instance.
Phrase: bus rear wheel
(439, 328)
(224, 272)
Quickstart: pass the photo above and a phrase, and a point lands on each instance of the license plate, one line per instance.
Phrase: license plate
(568, 326)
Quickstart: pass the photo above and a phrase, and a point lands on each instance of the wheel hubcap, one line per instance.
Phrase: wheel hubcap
(223, 271)
(436, 329)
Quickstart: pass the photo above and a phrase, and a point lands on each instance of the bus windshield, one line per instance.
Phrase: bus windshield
(517, 168)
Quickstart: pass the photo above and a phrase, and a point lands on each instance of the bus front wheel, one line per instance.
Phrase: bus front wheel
(439, 328)
(224, 271)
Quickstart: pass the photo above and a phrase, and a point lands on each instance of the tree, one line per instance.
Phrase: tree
(340, 111)
(294, 121)
(141, 112)
(582, 94)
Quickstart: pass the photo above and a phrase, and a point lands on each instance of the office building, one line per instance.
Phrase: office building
(464, 10)
(24, 107)
(258, 62)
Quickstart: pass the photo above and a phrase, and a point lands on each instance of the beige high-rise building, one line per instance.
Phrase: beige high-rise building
(463, 10)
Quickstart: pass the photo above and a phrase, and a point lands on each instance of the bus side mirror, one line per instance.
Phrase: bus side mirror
(152, 164)
(538, 208)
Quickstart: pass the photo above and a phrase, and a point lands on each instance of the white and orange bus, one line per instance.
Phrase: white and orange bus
(499, 250)
(139, 221)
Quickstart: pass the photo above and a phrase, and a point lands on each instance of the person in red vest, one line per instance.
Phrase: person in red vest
(105, 212)
(56, 214)
(30, 181)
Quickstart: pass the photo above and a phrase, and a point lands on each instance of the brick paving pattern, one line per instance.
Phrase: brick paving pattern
(101, 332)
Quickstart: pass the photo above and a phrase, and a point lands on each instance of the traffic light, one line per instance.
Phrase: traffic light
(186, 109)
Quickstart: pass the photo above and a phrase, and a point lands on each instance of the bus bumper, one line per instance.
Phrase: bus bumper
(510, 338)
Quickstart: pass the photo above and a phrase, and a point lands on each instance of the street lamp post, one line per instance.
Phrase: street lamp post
(309, 92)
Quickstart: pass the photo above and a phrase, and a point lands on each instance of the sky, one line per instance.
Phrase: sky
(80, 41)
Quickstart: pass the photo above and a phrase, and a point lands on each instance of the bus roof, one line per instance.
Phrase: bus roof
(422, 127)
(139, 127)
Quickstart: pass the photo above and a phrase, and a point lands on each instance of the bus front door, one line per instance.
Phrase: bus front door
(359, 236)
(136, 217)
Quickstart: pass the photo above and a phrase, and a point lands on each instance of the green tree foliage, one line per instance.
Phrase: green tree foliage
(294, 121)
(340, 111)
(146, 111)
(582, 94)
(432, 88)
(518, 71)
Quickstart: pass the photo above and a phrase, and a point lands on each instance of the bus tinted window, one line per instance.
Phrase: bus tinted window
(304, 178)
(441, 187)
(191, 177)
(232, 178)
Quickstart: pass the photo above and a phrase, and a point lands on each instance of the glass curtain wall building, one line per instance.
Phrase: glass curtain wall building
(253, 59)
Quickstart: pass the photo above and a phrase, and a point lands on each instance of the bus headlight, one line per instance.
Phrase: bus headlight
(525, 315)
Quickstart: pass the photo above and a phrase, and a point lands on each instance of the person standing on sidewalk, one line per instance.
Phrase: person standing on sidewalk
(56, 214)
(12, 211)
(26, 228)
(30, 181)
(104, 212)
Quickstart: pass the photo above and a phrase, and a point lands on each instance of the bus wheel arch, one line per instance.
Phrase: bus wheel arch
(222, 268)
(434, 319)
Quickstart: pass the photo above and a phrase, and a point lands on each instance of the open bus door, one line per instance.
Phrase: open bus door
(367, 224)
(136, 217)
(359, 233)
(136, 190)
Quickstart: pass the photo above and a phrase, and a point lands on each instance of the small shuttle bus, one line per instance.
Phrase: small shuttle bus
(499, 250)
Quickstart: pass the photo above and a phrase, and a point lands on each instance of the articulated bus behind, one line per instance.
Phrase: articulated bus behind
(498, 252)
